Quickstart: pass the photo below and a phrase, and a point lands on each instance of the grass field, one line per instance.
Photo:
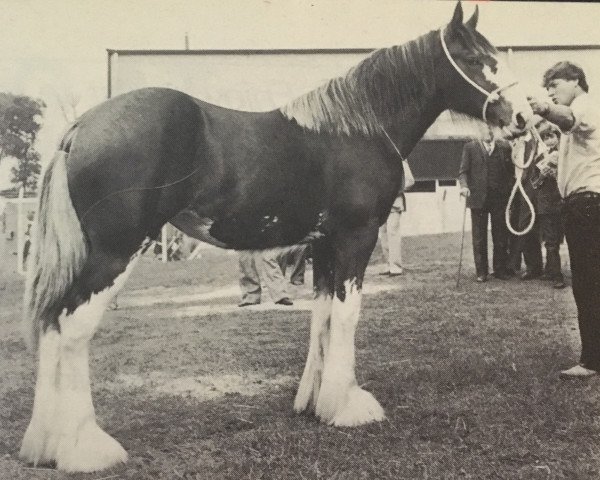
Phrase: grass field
(196, 388)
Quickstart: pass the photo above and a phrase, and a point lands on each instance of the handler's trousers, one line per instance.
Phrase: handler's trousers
(582, 229)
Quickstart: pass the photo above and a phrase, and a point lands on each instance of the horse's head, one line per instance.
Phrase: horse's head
(476, 81)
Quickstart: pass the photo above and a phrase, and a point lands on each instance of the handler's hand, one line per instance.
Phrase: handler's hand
(465, 192)
(539, 107)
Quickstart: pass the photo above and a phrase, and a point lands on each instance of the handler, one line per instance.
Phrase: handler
(578, 178)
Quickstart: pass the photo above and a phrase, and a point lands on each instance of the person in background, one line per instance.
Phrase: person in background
(485, 175)
(528, 244)
(577, 114)
(296, 259)
(390, 233)
(549, 203)
(267, 264)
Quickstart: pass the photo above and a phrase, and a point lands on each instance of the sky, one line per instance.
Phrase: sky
(55, 50)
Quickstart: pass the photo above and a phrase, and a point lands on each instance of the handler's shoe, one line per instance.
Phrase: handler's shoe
(578, 371)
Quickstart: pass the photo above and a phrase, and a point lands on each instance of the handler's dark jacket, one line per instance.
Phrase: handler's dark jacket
(489, 177)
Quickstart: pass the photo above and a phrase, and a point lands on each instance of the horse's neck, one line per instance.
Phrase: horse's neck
(406, 134)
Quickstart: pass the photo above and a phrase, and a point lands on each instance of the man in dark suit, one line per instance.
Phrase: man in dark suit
(485, 176)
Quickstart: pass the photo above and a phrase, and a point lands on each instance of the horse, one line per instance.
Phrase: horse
(325, 168)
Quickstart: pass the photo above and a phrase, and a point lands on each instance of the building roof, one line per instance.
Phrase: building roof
(304, 51)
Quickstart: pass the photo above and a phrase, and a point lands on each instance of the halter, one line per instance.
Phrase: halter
(492, 96)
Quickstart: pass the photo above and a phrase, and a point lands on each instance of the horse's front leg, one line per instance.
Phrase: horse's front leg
(341, 401)
(310, 384)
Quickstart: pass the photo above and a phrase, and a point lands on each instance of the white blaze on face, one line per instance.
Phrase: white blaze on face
(503, 78)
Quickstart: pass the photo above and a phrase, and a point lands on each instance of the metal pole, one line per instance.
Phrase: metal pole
(462, 243)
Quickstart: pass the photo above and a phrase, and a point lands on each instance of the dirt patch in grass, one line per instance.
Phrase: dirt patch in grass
(204, 387)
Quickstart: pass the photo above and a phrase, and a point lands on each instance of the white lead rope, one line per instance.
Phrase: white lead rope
(520, 165)
(494, 96)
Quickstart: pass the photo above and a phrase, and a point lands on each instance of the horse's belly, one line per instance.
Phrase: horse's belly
(192, 224)
(249, 232)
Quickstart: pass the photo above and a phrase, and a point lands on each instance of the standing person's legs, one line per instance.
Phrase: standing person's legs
(394, 236)
(479, 220)
(515, 252)
(273, 276)
(383, 238)
(582, 228)
(532, 253)
(515, 244)
(499, 239)
(249, 279)
(552, 236)
(298, 257)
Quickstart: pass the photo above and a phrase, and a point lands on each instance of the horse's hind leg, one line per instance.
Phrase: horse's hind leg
(341, 401)
(308, 390)
(63, 426)
(35, 447)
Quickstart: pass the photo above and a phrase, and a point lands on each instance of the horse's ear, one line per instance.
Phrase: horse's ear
(457, 18)
(472, 22)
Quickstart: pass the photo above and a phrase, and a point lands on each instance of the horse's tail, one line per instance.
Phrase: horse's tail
(58, 249)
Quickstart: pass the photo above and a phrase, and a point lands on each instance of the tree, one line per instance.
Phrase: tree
(26, 172)
(20, 122)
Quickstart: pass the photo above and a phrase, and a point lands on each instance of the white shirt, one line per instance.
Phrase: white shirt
(579, 152)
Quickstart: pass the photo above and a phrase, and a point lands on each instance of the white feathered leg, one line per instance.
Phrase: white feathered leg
(308, 390)
(63, 426)
(35, 447)
(341, 401)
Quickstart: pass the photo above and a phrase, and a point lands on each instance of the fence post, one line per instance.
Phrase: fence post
(20, 232)
(164, 243)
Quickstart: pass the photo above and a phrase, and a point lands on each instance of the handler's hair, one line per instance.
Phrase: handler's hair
(566, 71)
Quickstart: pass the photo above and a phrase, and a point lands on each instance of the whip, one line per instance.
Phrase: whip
(462, 242)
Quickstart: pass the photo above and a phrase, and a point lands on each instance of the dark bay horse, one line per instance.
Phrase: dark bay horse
(324, 168)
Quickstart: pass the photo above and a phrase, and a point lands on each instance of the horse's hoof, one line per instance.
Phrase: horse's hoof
(308, 390)
(34, 445)
(305, 399)
(92, 450)
(361, 408)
